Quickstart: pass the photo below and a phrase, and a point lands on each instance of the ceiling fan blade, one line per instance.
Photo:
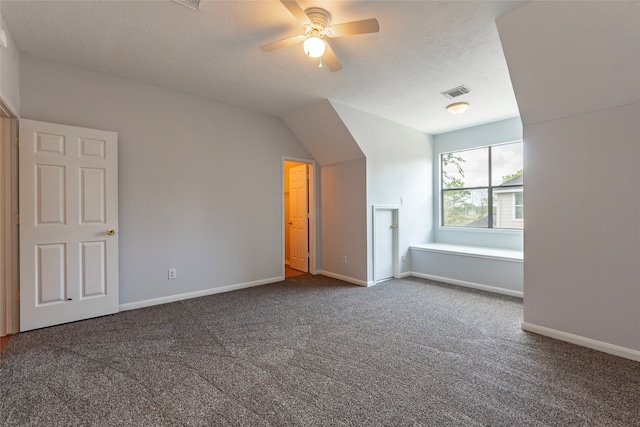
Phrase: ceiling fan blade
(356, 27)
(296, 11)
(331, 59)
(289, 41)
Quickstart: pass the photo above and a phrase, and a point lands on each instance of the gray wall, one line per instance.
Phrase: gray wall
(399, 166)
(476, 136)
(575, 69)
(200, 182)
(10, 72)
(582, 246)
(343, 190)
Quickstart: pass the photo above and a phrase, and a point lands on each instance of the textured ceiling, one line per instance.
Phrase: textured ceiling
(422, 49)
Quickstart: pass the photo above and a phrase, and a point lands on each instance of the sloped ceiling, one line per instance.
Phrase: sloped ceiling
(323, 133)
(582, 65)
(422, 49)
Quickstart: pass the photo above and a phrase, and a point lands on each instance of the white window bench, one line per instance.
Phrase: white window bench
(495, 270)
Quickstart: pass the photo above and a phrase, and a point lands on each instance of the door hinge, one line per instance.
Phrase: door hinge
(18, 219)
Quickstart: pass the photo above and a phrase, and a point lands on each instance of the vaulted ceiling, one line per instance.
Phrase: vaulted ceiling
(422, 49)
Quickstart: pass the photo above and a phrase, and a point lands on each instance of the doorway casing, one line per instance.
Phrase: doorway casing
(395, 214)
(9, 267)
(313, 170)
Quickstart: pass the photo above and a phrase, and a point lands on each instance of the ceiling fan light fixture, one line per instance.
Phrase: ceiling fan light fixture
(314, 47)
(457, 108)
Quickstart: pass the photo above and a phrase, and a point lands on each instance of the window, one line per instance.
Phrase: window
(518, 205)
(483, 187)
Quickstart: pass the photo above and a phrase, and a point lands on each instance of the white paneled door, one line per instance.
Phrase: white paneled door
(299, 209)
(68, 224)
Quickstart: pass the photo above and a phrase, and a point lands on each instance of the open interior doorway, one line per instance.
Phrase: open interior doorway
(298, 236)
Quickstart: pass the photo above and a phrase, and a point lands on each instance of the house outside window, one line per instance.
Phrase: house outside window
(483, 187)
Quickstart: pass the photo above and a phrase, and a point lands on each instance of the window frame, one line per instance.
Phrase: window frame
(489, 188)
(516, 205)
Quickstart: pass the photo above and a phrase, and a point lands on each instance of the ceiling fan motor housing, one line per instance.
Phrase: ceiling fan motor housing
(320, 19)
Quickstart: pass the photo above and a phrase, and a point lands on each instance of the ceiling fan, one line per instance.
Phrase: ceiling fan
(317, 28)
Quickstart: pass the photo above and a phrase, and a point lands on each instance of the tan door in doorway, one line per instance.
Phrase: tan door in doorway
(299, 216)
(68, 224)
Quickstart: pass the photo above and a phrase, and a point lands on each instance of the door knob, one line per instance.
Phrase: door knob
(290, 223)
(111, 231)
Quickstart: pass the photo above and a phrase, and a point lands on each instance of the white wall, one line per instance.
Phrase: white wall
(583, 246)
(200, 182)
(399, 165)
(492, 274)
(10, 72)
(343, 212)
(477, 136)
(577, 83)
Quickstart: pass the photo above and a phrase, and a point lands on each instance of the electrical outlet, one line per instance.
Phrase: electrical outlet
(344, 259)
(172, 273)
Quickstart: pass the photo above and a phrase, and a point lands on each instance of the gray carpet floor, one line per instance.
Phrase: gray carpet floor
(314, 351)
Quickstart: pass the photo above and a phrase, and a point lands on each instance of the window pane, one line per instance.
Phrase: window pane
(519, 205)
(507, 164)
(466, 208)
(508, 203)
(465, 168)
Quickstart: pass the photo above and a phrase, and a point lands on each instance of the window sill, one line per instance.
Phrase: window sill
(481, 230)
(471, 251)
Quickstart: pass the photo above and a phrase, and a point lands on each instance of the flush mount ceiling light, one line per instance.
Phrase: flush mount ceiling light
(314, 47)
(458, 108)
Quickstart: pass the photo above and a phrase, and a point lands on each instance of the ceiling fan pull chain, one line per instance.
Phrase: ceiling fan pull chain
(320, 66)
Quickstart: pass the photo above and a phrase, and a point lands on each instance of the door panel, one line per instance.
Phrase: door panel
(92, 195)
(298, 190)
(50, 193)
(50, 274)
(383, 241)
(68, 201)
(93, 268)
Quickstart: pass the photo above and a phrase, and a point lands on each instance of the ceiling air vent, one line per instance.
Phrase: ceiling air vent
(456, 91)
(193, 4)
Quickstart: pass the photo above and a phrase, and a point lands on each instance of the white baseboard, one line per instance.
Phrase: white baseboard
(406, 274)
(487, 288)
(345, 278)
(616, 350)
(196, 294)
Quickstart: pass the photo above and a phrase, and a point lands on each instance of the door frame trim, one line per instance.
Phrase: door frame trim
(9, 258)
(313, 204)
(395, 212)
